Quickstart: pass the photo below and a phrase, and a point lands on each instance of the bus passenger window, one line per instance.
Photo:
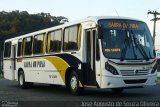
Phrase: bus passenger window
(27, 46)
(72, 38)
(38, 46)
(54, 41)
(7, 49)
(19, 51)
(66, 37)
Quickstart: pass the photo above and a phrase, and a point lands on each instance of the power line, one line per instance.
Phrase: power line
(155, 19)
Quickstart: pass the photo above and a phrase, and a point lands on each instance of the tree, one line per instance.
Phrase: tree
(17, 23)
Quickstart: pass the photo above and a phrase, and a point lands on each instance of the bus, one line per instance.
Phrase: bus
(95, 52)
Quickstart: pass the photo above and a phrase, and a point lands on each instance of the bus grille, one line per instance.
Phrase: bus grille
(135, 81)
(134, 72)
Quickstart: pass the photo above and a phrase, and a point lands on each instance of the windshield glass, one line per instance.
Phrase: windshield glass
(126, 39)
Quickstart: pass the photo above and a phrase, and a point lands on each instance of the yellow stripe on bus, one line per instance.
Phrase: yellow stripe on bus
(79, 37)
(60, 65)
(48, 41)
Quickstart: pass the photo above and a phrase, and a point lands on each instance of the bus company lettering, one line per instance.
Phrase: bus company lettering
(34, 64)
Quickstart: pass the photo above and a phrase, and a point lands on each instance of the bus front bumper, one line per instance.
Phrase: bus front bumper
(128, 81)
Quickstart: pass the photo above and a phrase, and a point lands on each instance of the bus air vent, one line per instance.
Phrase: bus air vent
(135, 81)
(134, 72)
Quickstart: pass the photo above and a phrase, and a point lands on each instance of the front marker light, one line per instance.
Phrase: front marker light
(111, 69)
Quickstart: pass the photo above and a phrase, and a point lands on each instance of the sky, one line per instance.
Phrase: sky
(78, 9)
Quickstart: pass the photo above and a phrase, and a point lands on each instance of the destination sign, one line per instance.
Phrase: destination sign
(113, 24)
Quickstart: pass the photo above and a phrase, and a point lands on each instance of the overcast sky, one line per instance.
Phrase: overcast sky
(77, 9)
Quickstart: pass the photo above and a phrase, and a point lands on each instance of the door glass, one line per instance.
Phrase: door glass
(14, 57)
(90, 57)
(88, 48)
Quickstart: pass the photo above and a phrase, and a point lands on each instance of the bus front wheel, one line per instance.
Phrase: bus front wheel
(74, 84)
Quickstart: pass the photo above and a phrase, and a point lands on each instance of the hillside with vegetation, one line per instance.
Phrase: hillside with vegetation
(17, 23)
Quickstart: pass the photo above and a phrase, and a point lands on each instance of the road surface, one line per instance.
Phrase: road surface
(44, 95)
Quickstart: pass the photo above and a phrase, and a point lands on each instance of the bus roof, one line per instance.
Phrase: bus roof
(90, 18)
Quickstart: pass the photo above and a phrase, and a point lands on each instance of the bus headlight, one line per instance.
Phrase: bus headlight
(111, 69)
(154, 69)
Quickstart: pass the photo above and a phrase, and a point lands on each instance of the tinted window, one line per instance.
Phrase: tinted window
(71, 38)
(7, 51)
(54, 41)
(38, 47)
(19, 53)
(27, 44)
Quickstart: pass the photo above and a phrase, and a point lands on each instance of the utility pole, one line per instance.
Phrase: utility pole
(155, 19)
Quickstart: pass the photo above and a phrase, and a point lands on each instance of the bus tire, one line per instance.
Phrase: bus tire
(21, 80)
(117, 90)
(74, 84)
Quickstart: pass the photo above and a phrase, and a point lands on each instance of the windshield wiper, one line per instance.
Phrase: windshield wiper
(139, 46)
(126, 44)
(133, 48)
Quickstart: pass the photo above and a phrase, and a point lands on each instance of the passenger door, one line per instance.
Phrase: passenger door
(13, 61)
(90, 74)
(9, 61)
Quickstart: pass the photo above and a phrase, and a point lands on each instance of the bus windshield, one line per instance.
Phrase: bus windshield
(126, 39)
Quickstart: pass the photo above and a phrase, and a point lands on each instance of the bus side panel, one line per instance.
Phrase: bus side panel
(43, 70)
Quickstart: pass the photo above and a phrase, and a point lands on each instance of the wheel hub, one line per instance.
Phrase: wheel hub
(21, 80)
(73, 83)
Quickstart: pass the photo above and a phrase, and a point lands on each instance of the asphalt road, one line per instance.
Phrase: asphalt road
(44, 95)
